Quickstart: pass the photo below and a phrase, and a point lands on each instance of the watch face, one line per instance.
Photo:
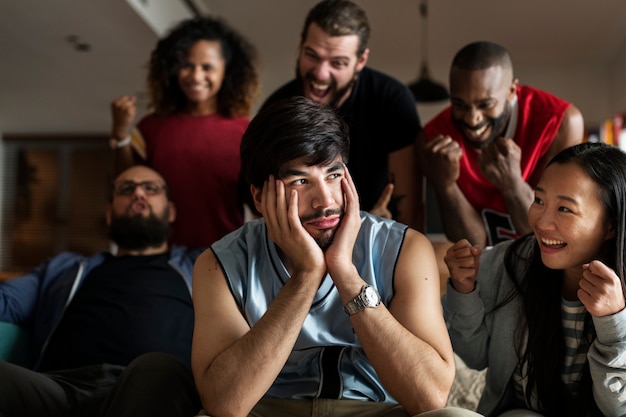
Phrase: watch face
(371, 296)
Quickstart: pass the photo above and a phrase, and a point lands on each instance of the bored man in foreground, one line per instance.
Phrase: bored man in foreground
(317, 305)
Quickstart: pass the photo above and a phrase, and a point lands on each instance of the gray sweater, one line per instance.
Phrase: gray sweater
(487, 340)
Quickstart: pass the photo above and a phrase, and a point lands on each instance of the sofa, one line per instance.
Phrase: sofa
(14, 344)
(467, 387)
(466, 390)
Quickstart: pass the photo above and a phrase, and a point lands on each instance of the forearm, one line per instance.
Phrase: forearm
(518, 199)
(458, 217)
(465, 315)
(240, 375)
(413, 371)
(411, 211)
(408, 187)
(607, 369)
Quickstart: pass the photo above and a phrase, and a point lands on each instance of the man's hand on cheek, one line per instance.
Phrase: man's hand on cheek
(339, 253)
(285, 228)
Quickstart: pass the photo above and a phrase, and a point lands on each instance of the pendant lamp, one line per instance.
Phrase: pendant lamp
(424, 89)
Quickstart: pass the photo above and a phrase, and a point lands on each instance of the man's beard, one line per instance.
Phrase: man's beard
(326, 240)
(497, 127)
(137, 232)
(336, 96)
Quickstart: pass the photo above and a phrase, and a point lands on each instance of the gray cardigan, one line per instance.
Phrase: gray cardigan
(487, 340)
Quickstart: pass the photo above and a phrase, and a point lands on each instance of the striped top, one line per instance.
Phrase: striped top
(573, 319)
(573, 322)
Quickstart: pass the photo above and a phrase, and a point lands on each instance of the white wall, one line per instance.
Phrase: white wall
(588, 87)
(617, 83)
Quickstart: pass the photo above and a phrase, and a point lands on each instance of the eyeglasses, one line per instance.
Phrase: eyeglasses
(149, 187)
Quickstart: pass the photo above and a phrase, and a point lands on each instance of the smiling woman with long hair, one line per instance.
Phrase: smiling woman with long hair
(545, 313)
(202, 82)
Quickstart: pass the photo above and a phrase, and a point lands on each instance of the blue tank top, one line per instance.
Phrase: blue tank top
(328, 360)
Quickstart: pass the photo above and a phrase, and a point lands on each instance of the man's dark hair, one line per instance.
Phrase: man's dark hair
(292, 128)
(482, 55)
(339, 18)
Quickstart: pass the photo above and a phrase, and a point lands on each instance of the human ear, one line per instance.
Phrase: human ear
(513, 88)
(172, 215)
(107, 213)
(257, 198)
(612, 230)
(362, 60)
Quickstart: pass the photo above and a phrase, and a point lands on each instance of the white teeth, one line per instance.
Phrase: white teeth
(323, 87)
(478, 132)
(551, 242)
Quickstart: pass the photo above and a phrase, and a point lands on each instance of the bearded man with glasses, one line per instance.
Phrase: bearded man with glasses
(94, 321)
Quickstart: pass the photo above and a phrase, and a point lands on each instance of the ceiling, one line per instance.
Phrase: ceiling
(48, 86)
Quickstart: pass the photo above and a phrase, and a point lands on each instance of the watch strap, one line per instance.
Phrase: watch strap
(360, 302)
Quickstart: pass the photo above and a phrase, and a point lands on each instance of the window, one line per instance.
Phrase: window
(54, 190)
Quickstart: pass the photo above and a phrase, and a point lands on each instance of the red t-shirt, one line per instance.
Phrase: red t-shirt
(539, 117)
(198, 156)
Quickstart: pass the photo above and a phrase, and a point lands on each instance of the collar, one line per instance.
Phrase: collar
(512, 126)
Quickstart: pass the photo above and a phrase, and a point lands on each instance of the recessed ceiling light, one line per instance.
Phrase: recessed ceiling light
(78, 44)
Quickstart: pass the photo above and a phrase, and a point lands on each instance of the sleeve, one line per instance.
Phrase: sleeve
(465, 318)
(18, 296)
(607, 363)
(441, 124)
(403, 119)
(138, 144)
(465, 314)
(21, 297)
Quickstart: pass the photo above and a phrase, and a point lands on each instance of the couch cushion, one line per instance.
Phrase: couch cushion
(14, 344)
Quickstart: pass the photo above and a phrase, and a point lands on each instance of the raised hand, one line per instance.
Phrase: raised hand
(339, 253)
(440, 159)
(500, 162)
(600, 290)
(462, 260)
(123, 111)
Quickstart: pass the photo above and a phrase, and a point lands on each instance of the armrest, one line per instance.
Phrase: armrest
(14, 344)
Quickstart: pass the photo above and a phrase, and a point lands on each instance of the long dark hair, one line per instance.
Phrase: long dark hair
(539, 289)
(240, 85)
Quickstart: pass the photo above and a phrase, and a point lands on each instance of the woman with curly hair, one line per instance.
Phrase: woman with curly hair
(545, 313)
(202, 82)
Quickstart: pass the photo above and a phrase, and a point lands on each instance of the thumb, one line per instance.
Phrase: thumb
(476, 251)
(385, 197)
(380, 208)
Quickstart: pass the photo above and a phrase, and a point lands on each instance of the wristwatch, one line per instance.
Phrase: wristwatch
(368, 298)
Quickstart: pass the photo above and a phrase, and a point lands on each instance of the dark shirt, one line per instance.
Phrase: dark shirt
(382, 116)
(127, 306)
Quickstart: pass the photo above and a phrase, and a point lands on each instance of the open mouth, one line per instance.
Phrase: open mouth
(195, 90)
(139, 206)
(554, 244)
(318, 90)
(479, 133)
